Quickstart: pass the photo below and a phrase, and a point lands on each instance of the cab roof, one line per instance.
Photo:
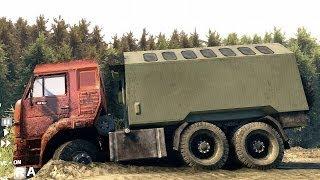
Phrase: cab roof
(157, 56)
(64, 66)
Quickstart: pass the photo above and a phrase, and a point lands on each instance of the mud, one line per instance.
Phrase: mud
(298, 163)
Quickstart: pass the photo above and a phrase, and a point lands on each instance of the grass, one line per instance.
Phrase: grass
(6, 155)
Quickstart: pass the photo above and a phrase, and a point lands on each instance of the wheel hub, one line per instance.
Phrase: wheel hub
(204, 147)
(258, 146)
(82, 158)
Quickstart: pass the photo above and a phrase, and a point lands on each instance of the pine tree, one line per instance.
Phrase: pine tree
(232, 39)
(174, 42)
(96, 39)
(256, 39)
(60, 33)
(184, 40)
(38, 53)
(306, 43)
(124, 44)
(3, 65)
(22, 30)
(162, 42)
(213, 39)
(306, 52)
(4, 95)
(278, 36)
(11, 46)
(194, 39)
(143, 40)
(63, 52)
(75, 42)
(245, 40)
(83, 31)
(39, 28)
(131, 42)
(116, 43)
(151, 45)
(267, 38)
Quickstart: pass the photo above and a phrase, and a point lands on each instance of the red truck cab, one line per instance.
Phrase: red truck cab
(58, 98)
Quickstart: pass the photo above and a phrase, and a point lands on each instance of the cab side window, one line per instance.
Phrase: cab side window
(38, 87)
(49, 86)
(87, 79)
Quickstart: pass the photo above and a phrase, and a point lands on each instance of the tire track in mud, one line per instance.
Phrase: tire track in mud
(298, 163)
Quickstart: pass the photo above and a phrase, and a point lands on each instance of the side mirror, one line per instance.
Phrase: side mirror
(31, 90)
(115, 75)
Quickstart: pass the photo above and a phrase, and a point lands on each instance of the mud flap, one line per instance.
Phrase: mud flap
(138, 144)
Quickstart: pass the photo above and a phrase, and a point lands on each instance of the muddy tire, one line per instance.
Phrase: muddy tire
(78, 150)
(258, 145)
(204, 145)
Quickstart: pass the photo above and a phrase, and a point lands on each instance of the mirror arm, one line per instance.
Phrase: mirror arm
(31, 91)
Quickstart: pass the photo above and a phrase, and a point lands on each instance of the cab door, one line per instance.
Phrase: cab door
(48, 102)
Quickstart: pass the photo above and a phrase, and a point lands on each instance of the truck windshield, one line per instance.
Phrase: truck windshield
(49, 86)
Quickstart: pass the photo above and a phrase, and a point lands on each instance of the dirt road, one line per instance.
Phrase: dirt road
(298, 163)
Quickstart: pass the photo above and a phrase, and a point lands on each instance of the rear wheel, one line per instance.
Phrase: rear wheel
(204, 145)
(258, 145)
(78, 150)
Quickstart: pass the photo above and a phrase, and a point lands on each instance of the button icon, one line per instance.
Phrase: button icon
(7, 122)
(5, 132)
(4, 143)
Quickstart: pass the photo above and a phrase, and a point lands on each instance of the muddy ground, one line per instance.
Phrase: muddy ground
(298, 163)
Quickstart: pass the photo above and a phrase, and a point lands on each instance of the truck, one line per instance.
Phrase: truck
(207, 106)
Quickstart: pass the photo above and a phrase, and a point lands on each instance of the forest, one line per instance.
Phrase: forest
(23, 45)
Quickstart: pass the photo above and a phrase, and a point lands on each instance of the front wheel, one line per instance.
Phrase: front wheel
(258, 145)
(78, 150)
(204, 145)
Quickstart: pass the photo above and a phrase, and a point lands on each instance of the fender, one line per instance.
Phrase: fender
(276, 124)
(177, 134)
(53, 129)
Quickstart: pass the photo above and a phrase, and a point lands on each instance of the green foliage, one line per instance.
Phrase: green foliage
(306, 51)
(267, 38)
(151, 45)
(174, 42)
(3, 81)
(39, 28)
(60, 33)
(128, 42)
(22, 30)
(232, 39)
(24, 45)
(278, 36)
(3, 66)
(194, 39)
(184, 40)
(38, 53)
(213, 39)
(245, 39)
(63, 52)
(162, 42)
(306, 43)
(75, 41)
(256, 39)
(143, 40)
(116, 43)
(96, 39)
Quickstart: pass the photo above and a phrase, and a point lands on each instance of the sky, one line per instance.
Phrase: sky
(224, 16)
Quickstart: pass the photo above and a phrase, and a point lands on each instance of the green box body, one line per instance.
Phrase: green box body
(218, 88)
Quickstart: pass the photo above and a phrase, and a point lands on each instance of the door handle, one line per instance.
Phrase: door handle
(41, 102)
